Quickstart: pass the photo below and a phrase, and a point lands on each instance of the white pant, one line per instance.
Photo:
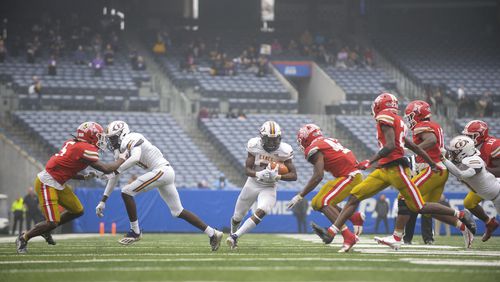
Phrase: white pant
(163, 178)
(253, 191)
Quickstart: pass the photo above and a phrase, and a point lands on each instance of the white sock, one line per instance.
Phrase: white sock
(134, 225)
(209, 231)
(247, 226)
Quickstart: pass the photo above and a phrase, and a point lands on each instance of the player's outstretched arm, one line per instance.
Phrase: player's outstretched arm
(417, 150)
(468, 172)
(107, 168)
(292, 172)
(318, 173)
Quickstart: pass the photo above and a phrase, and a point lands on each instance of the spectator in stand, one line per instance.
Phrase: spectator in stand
(97, 64)
(292, 45)
(109, 55)
(203, 113)
(159, 48)
(276, 47)
(368, 57)
(382, 209)
(52, 68)
(30, 55)
(323, 55)
(262, 66)
(342, 57)
(132, 56)
(222, 181)
(353, 60)
(306, 38)
(139, 64)
(3, 51)
(241, 115)
(80, 57)
(484, 104)
(36, 89)
(231, 114)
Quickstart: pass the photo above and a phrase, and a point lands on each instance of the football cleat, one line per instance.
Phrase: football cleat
(130, 238)
(48, 238)
(358, 219)
(322, 233)
(21, 244)
(349, 242)
(234, 226)
(389, 241)
(232, 241)
(491, 226)
(215, 240)
(468, 238)
(469, 222)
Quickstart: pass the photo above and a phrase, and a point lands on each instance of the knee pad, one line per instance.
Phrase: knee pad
(403, 208)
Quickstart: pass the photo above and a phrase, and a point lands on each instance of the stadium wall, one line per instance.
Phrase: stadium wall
(216, 208)
(321, 90)
(17, 169)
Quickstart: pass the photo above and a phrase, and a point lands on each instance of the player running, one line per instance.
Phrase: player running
(327, 154)
(392, 169)
(428, 135)
(261, 184)
(464, 162)
(489, 147)
(76, 155)
(160, 174)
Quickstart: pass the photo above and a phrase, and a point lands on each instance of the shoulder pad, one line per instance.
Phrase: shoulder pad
(474, 162)
(310, 151)
(422, 127)
(385, 117)
(286, 150)
(130, 141)
(253, 145)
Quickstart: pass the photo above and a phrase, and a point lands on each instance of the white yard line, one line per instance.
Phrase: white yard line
(11, 239)
(453, 262)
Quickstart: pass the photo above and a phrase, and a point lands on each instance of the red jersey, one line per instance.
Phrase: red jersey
(490, 150)
(389, 118)
(339, 161)
(74, 157)
(429, 126)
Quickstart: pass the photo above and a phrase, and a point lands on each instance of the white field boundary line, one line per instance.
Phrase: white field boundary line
(452, 262)
(253, 268)
(405, 249)
(11, 239)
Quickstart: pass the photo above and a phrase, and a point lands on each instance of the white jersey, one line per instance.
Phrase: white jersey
(263, 158)
(151, 156)
(482, 183)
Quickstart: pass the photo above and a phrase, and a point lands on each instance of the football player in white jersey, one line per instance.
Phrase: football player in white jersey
(261, 184)
(466, 164)
(160, 174)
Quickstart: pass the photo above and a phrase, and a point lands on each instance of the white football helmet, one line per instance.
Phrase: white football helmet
(115, 132)
(270, 134)
(461, 147)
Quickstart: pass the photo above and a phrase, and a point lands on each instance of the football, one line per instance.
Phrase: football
(282, 168)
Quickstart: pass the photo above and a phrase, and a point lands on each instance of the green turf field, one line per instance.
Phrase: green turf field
(187, 257)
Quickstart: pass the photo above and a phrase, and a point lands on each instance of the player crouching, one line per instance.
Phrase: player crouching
(327, 154)
(76, 155)
(262, 180)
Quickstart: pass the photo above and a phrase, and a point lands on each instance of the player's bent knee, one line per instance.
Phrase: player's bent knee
(469, 204)
(53, 224)
(128, 192)
(176, 212)
(316, 204)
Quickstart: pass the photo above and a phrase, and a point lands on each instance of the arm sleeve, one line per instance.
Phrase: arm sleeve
(469, 172)
(135, 156)
(111, 185)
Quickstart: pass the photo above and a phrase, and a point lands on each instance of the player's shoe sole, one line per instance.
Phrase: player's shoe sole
(490, 229)
(130, 238)
(322, 233)
(349, 244)
(21, 244)
(468, 238)
(393, 244)
(215, 240)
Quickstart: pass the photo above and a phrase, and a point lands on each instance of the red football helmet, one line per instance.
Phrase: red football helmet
(477, 130)
(385, 101)
(307, 134)
(91, 132)
(416, 112)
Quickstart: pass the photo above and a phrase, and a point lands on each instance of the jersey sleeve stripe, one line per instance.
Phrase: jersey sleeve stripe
(419, 130)
(91, 157)
(388, 121)
(385, 117)
(129, 145)
(90, 152)
(496, 153)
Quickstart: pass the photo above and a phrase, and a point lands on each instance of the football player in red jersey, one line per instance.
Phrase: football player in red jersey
(327, 154)
(76, 155)
(489, 147)
(392, 169)
(428, 135)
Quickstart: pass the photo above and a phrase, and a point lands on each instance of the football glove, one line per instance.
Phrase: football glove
(90, 175)
(273, 173)
(124, 155)
(262, 175)
(294, 201)
(99, 210)
(364, 165)
(107, 177)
